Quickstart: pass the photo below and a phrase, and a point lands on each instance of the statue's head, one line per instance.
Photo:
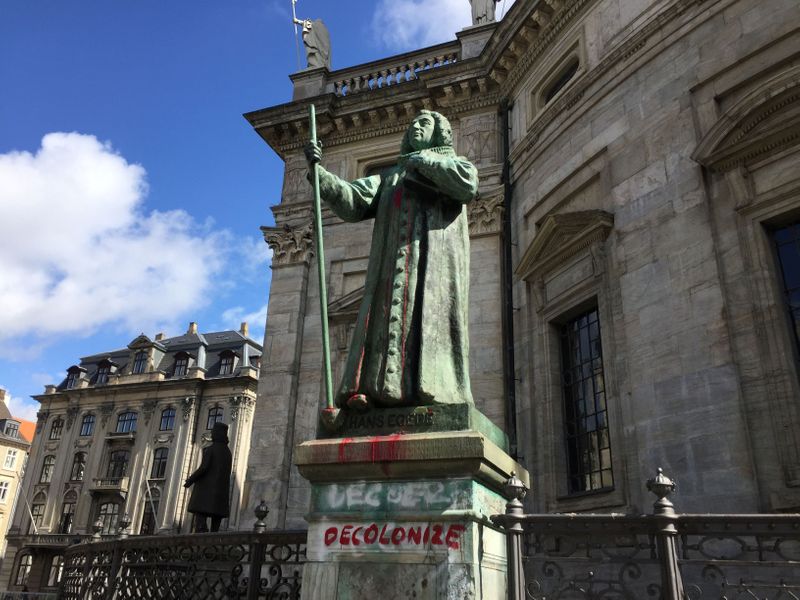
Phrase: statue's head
(219, 433)
(429, 129)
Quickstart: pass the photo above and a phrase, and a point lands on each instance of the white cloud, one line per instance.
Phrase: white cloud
(233, 317)
(78, 250)
(401, 25)
(255, 257)
(21, 408)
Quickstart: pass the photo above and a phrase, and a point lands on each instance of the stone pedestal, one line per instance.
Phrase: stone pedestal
(406, 515)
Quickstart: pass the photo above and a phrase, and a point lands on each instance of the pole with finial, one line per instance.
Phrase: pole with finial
(330, 414)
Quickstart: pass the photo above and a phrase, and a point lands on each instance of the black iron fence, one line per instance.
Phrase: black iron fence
(664, 555)
(206, 566)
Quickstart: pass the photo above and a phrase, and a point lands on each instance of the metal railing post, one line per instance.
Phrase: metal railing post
(515, 491)
(257, 549)
(666, 534)
(114, 570)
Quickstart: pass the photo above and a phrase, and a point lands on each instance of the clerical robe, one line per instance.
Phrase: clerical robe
(410, 345)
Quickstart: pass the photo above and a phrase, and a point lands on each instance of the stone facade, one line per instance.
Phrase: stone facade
(653, 148)
(119, 437)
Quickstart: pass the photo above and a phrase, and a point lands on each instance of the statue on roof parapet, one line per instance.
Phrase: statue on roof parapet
(317, 42)
(483, 11)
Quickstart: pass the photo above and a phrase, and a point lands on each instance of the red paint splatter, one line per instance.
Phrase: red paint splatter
(342, 448)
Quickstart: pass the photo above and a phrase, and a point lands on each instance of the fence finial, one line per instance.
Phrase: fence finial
(662, 486)
(261, 511)
(96, 529)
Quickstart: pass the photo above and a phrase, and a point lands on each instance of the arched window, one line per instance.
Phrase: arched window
(23, 569)
(37, 514)
(56, 429)
(67, 513)
(150, 512)
(139, 362)
(87, 425)
(167, 419)
(78, 467)
(118, 464)
(108, 514)
(56, 569)
(126, 422)
(159, 463)
(48, 465)
(214, 416)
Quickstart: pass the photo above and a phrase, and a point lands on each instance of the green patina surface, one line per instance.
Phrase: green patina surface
(417, 419)
(381, 499)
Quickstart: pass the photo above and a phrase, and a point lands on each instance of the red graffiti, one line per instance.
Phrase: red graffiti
(342, 448)
(395, 535)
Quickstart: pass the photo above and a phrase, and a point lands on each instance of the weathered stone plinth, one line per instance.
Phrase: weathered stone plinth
(405, 516)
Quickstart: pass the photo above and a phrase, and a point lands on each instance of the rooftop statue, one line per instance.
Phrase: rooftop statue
(317, 42)
(410, 345)
(483, 11)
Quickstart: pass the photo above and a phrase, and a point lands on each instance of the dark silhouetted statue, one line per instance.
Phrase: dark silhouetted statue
(211, 481)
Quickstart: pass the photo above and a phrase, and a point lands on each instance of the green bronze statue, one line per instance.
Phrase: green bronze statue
(410, 345)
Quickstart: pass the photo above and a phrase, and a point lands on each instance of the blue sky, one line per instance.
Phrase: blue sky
(131, 188)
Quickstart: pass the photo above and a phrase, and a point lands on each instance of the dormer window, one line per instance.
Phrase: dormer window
(11, 429)
(73, 376)
(102, 375)
(227, 360)
(139, 362)
(181, 364)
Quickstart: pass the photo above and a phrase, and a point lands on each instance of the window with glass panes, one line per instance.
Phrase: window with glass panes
(56, 429)
(72, 379)
(87, 425)
(37, 514)
(588, 445)
(139, 362)
(167, 419)
(4, 491)
(56, 569)
(102, 375)
(12, 429)
(226, 363)
(11, 459)
(108, 514)
(118, 464)
(181, 365)
(787, 246)
(67, 517)
(48, 465)
(78, 467)
(214, 416)
(159, 469)
(126, 422)
(149, 513)
(23, 569)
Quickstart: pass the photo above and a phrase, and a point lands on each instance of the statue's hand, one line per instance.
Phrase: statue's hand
(313, 153)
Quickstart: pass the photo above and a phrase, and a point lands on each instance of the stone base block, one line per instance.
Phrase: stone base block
(405, 516)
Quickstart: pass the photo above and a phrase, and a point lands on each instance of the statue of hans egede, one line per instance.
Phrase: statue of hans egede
(410, 344)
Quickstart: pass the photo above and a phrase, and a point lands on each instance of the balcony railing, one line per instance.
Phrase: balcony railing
(111, 484)
(665, 555)
(234, 565)
(393, 70)
(50, 539)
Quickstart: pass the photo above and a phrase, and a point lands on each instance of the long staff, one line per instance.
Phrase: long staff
(330, 412)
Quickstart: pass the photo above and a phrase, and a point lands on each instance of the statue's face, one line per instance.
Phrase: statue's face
(421, 132)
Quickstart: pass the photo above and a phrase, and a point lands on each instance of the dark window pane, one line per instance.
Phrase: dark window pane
(585, 421)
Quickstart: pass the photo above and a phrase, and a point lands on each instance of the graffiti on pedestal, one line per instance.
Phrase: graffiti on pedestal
(394, 536)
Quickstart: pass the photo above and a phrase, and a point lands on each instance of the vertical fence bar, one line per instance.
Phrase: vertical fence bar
(257, 549)
(666, 535)
(114, 570)
(515, 491)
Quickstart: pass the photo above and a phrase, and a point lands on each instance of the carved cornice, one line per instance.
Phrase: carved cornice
(766, 120)
(241, 405)
(485, 215)
(290, 245)
(560, 237)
